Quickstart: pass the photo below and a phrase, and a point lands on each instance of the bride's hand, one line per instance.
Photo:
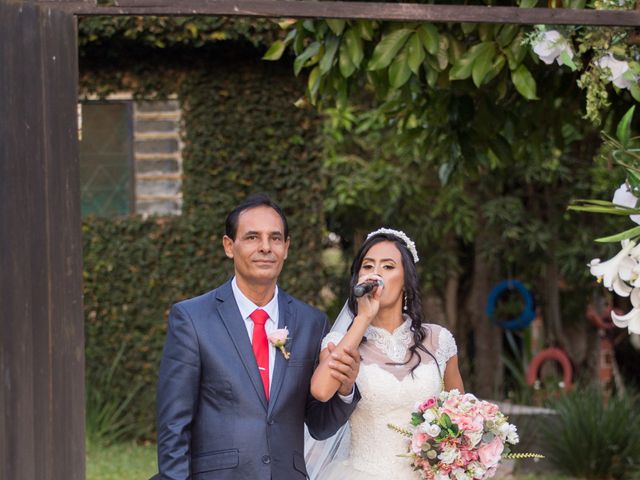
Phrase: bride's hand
(369, 304)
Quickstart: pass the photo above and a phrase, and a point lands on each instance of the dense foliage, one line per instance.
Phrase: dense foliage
(111, 33)
(475, 146)
(594, 438)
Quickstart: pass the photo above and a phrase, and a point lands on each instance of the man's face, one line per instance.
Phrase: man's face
(260, 249)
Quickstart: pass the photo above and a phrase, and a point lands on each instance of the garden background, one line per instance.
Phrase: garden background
(478, 170)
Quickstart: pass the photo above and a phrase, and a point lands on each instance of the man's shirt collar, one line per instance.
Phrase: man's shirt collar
(247, 307)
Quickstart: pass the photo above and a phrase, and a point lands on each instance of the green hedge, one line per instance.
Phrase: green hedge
(111, 33)
(242, 134)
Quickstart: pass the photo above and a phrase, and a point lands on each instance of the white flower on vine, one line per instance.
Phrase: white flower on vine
(631, 319)
(619, 73)
(608, 272)
(550, 46)
(629, 271)
(624, 198)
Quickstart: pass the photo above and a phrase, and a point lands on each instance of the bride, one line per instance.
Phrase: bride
(403, 359)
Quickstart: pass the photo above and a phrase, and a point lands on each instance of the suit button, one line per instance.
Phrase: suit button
(270, 422)
(266, 459)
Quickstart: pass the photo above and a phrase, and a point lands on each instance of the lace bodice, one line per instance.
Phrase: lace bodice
(395, 344)
(389, 394)
(392, 347)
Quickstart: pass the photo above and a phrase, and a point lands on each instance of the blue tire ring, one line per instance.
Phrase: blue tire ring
(528, 313)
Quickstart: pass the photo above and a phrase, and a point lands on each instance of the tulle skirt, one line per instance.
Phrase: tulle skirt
(344, 470)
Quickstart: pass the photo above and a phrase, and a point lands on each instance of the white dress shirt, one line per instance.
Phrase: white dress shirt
(247, 307)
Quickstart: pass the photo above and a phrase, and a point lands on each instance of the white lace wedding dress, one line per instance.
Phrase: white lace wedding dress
(389, 395)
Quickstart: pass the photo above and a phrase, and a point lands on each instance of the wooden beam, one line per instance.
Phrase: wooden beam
(41, 324)
(363, 10)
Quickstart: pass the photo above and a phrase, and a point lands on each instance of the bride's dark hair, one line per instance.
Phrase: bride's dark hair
(413, 305)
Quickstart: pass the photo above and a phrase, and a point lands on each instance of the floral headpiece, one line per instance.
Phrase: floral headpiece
(402, 236)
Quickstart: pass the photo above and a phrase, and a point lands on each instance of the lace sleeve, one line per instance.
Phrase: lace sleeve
(333, 337)
(447, 348)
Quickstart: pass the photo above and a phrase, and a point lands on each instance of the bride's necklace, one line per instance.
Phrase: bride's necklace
(393, 344)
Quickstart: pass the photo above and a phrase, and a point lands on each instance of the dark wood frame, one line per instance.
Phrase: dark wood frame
(363, 10)
(42, 325)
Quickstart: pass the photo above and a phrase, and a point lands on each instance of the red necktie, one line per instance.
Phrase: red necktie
(261, 346)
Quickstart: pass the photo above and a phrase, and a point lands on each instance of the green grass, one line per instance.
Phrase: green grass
(122, 461)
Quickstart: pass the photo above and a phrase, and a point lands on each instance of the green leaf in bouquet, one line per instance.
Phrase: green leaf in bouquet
(446, 421)
(416, 419)
(632, 232)
(623, 132)
(454, 430)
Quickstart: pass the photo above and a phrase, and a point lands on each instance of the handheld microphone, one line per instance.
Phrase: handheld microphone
(366, 287)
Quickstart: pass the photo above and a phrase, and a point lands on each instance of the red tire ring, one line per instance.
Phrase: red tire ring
(551, 354)
(602, 321)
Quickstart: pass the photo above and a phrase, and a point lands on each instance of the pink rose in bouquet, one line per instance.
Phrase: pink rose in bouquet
(456, 436)
(490, 453)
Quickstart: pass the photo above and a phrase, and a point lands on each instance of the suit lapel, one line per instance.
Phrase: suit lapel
(234, 323)
(287, 319)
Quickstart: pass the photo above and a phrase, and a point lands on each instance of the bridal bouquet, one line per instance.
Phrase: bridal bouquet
(457, 437)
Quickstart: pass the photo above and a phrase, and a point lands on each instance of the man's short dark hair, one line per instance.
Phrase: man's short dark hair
(252, 201)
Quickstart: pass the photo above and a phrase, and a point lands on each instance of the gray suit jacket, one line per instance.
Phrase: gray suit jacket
(214, 421)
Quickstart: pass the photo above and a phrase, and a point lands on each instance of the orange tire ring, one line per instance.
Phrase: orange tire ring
(551, 354)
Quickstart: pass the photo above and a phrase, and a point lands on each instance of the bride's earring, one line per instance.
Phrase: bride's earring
(405, 307)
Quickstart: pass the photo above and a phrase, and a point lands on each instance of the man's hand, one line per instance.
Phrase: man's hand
(344, 367)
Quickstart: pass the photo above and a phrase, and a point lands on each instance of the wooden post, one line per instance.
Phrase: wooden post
(41, 320)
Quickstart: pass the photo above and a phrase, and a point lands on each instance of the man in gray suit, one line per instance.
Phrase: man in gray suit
(230, 405)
